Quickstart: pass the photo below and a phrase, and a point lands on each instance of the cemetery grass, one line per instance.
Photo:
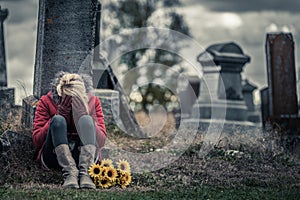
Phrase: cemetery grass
(259, 168)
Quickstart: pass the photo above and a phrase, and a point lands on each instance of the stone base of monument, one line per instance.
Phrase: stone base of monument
(110, 106)
(7, 101)
(7, 97)
(235, 110)
(226, 126)
(254, 117)
(28, 110)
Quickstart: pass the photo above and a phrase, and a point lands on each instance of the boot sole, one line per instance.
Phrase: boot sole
(87, 186)
(71, 186)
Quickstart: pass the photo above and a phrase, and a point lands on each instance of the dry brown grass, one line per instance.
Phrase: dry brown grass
(157, 140)
(261, 161)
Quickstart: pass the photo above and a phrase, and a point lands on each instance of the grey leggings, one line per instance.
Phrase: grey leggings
(57, 135)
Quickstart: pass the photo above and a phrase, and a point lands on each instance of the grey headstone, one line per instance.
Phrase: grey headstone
(65, 37)
(221, 88)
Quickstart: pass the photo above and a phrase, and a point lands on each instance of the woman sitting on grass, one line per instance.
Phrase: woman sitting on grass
(69, 129)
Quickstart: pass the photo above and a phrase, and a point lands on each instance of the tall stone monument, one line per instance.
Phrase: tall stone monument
(6, 94)
(223, 81)
(221, 102)
(65, 37)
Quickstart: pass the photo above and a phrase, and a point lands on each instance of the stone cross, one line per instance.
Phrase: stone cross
(3, 72)
(65, 37)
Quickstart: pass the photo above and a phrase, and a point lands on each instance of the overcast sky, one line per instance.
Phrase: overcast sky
(211, 21)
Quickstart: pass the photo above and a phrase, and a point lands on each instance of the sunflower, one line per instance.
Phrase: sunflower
(111, 173)
(106, 163)
(94, 170)
(124, 179)
(123, 165)
(103, 172)
(103, 183)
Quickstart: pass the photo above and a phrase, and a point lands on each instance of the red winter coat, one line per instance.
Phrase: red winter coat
(47, 108)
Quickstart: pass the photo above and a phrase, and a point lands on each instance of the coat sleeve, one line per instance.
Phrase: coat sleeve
(99, 124)
(41, 123)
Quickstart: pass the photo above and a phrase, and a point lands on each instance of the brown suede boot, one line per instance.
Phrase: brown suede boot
(86, 159)
(69, 169)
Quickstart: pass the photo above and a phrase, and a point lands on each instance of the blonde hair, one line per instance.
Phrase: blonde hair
(73, 85)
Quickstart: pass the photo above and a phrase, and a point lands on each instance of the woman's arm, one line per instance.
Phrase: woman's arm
(41, 123)
(99, 123)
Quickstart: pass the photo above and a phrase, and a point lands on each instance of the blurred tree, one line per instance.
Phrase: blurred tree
(127, 15)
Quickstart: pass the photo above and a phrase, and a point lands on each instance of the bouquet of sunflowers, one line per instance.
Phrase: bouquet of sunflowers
(106, 175)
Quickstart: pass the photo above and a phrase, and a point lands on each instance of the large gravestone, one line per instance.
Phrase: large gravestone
(281, 94)
(65, 37)
(281, 74)
(7, 99)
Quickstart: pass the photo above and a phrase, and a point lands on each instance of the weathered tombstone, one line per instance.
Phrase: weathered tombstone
(282, 93)
(7, 98)
(188, 96)
(65, 37)
(265, 112)
(281, 74)
(220, 103)
(247, 90)
(223, 77)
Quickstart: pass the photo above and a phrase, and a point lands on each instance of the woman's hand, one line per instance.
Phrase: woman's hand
(65, 107)
(79, 108)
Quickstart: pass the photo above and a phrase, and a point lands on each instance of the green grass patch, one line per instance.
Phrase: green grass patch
(192, 193)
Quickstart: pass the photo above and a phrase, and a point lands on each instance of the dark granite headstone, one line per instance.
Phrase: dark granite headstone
(282, 93)
(281, 74)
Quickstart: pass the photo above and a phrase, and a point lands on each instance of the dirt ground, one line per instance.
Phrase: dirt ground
(236, 161)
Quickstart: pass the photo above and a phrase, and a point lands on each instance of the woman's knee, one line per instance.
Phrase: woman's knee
(58, 121)
(86, 121)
